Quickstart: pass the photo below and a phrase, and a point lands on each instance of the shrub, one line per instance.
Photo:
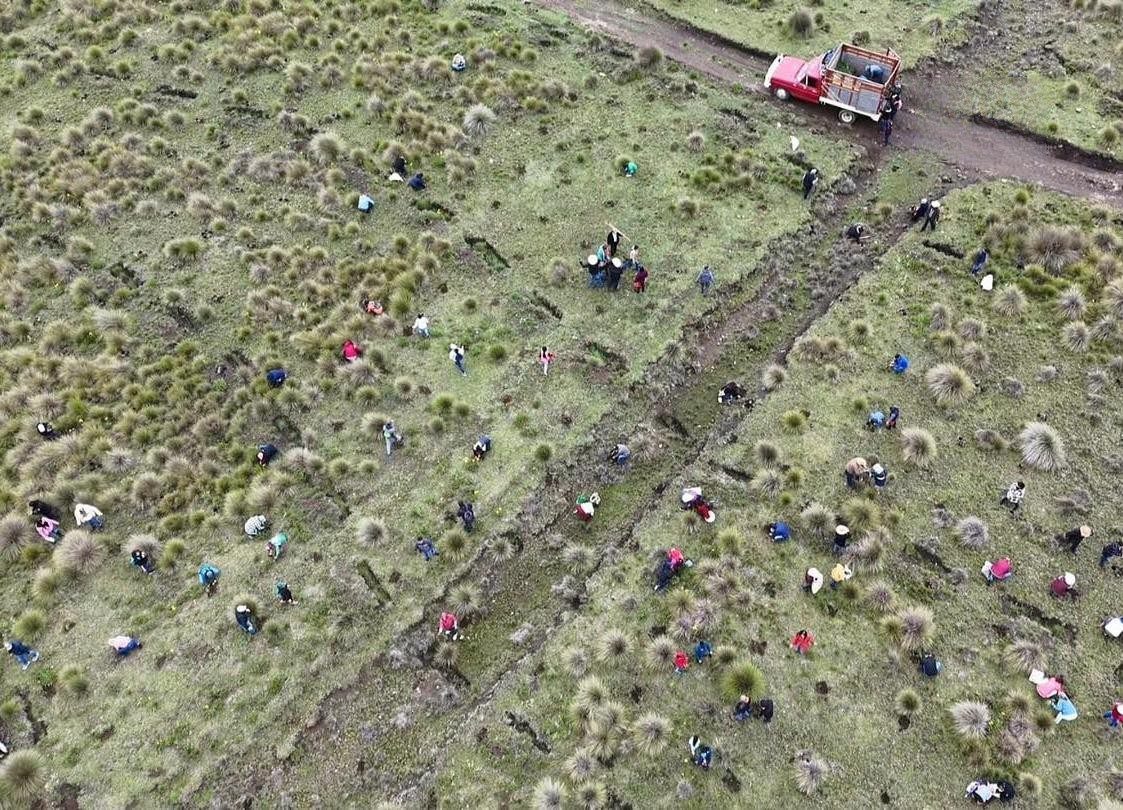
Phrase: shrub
(651, 733)
(916, 627)
(79, 553)
(817, 518)
(1041, 446)
(29, 625)
(1056, 249)
(371, 531)
(907, 702)
(767, 482)
(327, 147)
(743, 678)
(1071, 303)
(1009, 301)
(773, 377)
(687, 208)
(613, 644)
(793, 421)
(949, 384)
(810, 771)
(881, 597)
(648, 57)
(918, 447)
(973, 533)
(25, 774)
(970, 719)
(1077, 337)
(14, 534)
(543, 452)
(1026, 655)
(802, 23)
(478, 120)
(549, 794)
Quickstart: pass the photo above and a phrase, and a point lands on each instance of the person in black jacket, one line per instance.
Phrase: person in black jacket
(809, 181)
(1074, 537)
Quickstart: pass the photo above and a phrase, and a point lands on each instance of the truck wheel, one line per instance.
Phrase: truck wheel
(781, 94)
(845, 116)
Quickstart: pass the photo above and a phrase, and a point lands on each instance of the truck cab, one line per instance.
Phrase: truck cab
(792, 77)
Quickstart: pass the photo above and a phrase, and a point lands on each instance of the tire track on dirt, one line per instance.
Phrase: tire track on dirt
(926, 124)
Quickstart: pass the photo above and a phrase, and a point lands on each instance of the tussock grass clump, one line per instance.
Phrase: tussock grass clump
(1030, 785)
(917, 626)
(25, 774)
(29, 625)
(648, 57)
(1071, 303)
(581, 766)
(949, 384)
(918, 447)
(767, 482)
(14, 533)
(661, 652)
(1077, 337)
(79, 554)
(881, 597)
(696, 141)
(549, 794)
(810, 772)
(801, 23)
(767, 453)
(1042, 447)
(970, 719)
(742, 678)
(613, 645)
(478, 120)
(907, 702)
(973, 533)
(591, 692)
(1056, 249)
(1009, 301)
(1026, 655)
(326, 147)
(941, 317)
(793, 421)
(371, 531)
(651, 733)
(817, 518)
(576, 661)
(773, 377)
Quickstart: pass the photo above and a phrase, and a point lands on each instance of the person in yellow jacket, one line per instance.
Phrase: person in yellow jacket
(839, 574)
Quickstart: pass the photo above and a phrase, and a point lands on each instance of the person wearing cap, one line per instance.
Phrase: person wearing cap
(586, 506)
(731, 392)
(839, 574)
(255, 525)
(856, 471)
(932, 217)
(744, 709)
(1113, 626)
(802, 642)
(265, 454)
(879, 477)
(1064, 586)
(841, 538)
(46, 431)
(243, 615)
(929, 666)
(920, 210)
(1047, 687)
(998, 571)
(123, 645)
(779, 532)
(813, 581)
(615, 270)
(1074, 537)
(1114, 717)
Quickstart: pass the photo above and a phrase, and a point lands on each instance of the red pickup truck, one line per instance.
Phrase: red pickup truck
(853, 79)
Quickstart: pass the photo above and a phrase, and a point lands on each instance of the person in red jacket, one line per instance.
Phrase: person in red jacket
(449, 627)
(351, 352)
(682, 662)
(802, 642)
(1064, 586)
(639, 283)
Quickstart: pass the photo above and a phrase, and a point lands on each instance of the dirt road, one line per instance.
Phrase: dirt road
(926, 124)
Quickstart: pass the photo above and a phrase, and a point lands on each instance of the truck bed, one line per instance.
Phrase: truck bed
(847, 72)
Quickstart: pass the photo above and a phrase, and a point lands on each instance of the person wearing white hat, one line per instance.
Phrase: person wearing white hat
(1064, 586)
(1114, 626)
(813, 581)
(1074, 537)
(841, 537)
(879, 477)
(987, 282)
(932, 217)
(615, 270)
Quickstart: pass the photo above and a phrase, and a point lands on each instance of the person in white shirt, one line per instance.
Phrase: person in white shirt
(421, 326)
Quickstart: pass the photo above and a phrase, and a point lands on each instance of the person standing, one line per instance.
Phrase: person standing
(886, 125)
(706, 279)
(810, 180)
(457, 354)
(421, 325)
(639, 283)
(545, 357)
(932, 217)
(1014, 495)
